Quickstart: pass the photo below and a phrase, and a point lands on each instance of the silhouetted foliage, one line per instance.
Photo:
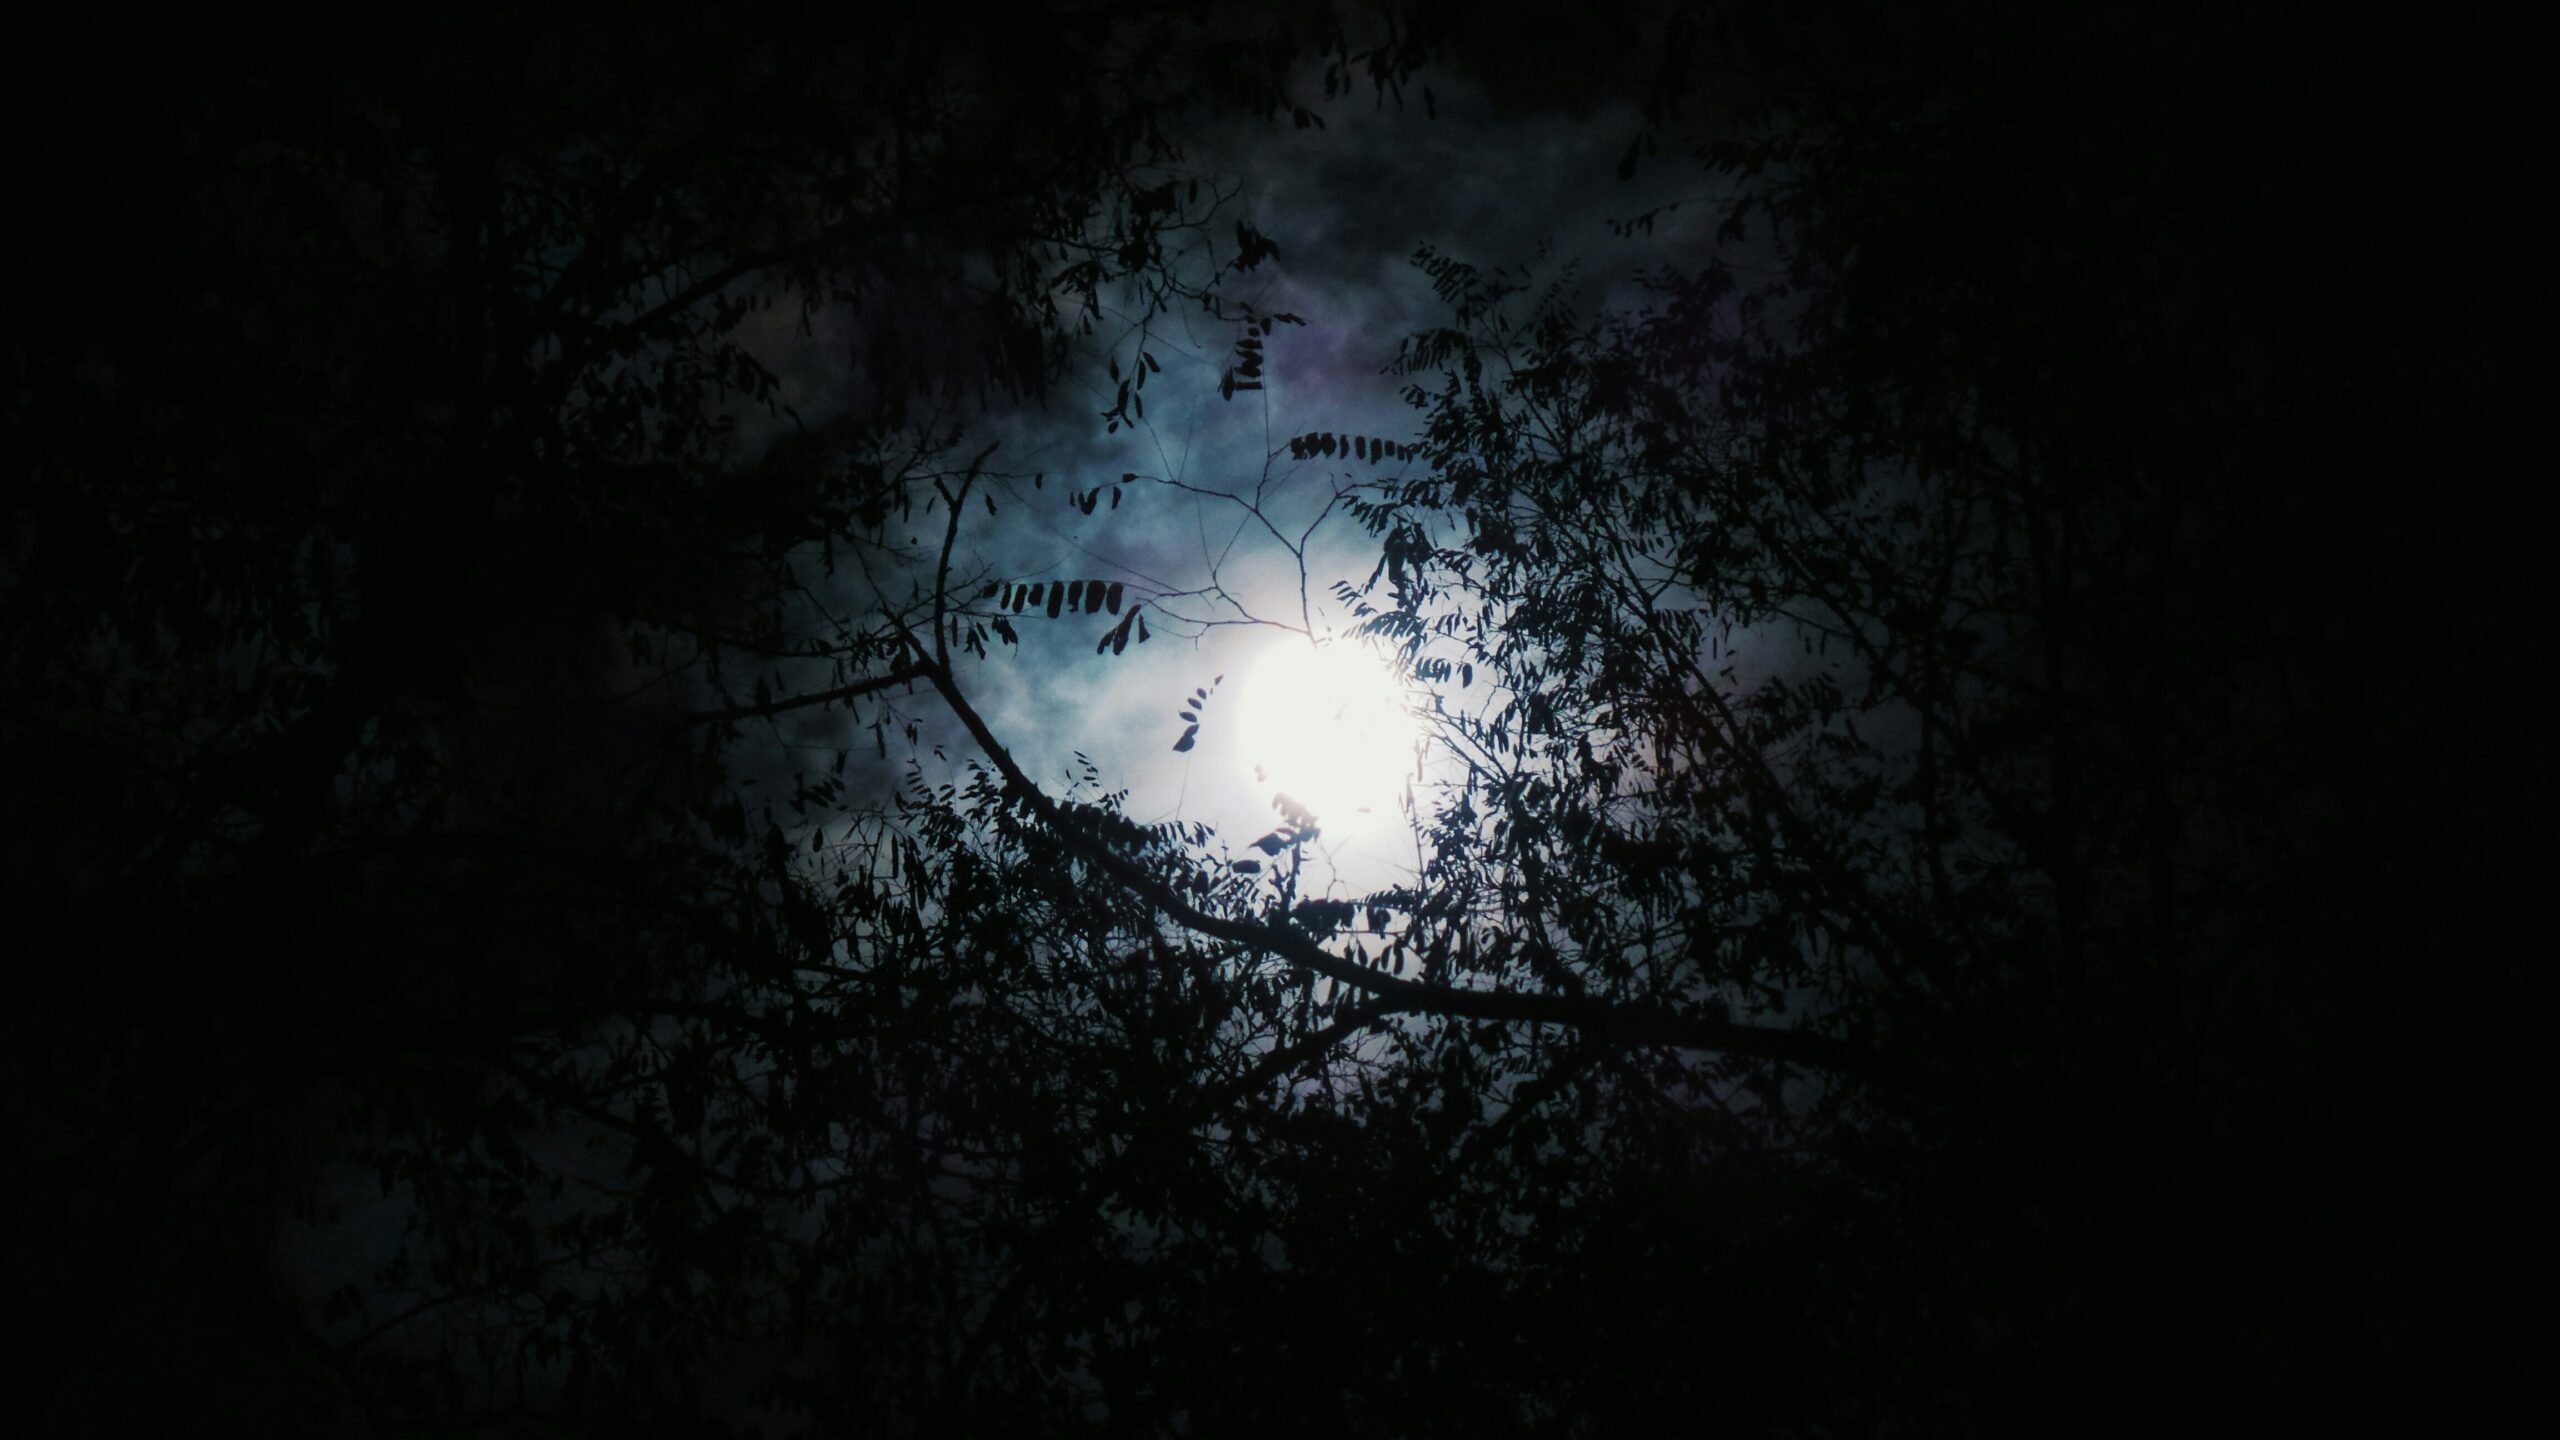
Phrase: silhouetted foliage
(1933, 884)
(403, 534)
(1950, 616)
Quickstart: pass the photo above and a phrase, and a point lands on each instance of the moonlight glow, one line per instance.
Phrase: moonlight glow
(1331, 728)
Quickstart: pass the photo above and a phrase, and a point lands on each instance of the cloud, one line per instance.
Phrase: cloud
(1348, 205)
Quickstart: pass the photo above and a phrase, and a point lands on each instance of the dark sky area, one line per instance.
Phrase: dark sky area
(1949, 617)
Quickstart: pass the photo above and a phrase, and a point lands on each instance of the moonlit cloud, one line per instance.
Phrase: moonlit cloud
(1523, 183)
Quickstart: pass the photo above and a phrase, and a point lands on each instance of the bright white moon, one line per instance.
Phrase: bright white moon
(1332, 728)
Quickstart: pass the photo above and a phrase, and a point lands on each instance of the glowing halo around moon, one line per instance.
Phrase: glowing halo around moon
(1333, 728)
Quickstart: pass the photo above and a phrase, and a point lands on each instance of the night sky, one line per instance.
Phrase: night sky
(1531, 184)
(1955, 748)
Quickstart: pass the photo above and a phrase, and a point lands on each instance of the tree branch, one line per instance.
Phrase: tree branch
(898, 675)
(1620, 1022)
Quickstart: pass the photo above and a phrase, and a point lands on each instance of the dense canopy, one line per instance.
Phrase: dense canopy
(1955, 878)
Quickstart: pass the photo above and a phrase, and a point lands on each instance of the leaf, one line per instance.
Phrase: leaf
(1117, 637)
(1245, 867)
(1111, 598)
(1057, 598)
(1190, 737)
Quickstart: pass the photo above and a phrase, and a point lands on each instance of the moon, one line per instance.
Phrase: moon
(1333, 728)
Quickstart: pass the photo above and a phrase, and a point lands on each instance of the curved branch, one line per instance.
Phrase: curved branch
(952, 501)
(1619, 1022)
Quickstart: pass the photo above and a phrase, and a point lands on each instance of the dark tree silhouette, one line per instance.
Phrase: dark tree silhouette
(396, 550)
(1960, 622)
(1933, 850)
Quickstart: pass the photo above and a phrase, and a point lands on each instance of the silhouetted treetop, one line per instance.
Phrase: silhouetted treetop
(1955, 863)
